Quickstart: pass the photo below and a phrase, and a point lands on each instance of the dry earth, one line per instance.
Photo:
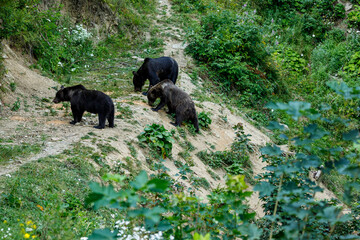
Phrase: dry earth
(33, 123)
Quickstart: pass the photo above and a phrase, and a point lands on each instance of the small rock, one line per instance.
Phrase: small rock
(348, 6)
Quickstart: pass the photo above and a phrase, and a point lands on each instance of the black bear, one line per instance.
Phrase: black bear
(155, 69)
(83, 100)
(178, 102)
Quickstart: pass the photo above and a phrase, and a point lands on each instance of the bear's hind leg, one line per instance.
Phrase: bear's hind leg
(111, 118)
(102, 119)
(178, 120)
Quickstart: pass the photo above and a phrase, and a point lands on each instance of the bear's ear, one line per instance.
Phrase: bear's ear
(62, 87)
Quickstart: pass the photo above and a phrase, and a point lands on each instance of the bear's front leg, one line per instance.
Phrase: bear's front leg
(160, 106)
(77, 115)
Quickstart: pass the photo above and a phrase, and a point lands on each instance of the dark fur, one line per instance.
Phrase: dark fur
(178, 102)
(83, 100)
(156, 70)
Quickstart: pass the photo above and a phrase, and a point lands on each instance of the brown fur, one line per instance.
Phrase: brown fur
(178, 102)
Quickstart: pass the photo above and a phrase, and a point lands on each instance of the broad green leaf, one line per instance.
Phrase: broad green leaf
(294, 108)
(158, 185)
(352, 135)
(198, 236)
(275, 125)
(264, 188)
(114, 177)
(102, 195)
(140, 180)
(271, 150)
(315, 131)
(251, 231)
(154, 214)
(103, 234)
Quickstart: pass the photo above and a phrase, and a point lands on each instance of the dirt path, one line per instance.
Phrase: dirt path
(35, 123)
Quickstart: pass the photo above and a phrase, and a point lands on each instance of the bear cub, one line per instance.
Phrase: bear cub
(83, 100)
(155, 69)
(178, 102)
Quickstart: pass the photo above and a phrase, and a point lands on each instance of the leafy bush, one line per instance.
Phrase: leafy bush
(232, 47)
(354, 17)
(204, 120)
(288, 192)
(339, 11)
(158, 138)
(330, 56)
(235, 161)
(16, 105)
(290, 61)
(353, 66)
(58, 46)
(150, 203)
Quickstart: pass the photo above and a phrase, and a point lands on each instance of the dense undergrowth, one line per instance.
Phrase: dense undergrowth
(263, 51)
(255, 52)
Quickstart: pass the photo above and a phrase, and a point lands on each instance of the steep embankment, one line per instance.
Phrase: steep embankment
(38, 121)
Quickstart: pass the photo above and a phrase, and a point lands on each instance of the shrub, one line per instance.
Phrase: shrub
(232, 47)
(235, 161)
(354, 17)
(47, 35)
(353, 66)
(290, 61)
(158, 138)
(204, 120)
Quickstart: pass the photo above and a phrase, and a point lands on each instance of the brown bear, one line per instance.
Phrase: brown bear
(155, 69)
(83, 100)
(178, 102)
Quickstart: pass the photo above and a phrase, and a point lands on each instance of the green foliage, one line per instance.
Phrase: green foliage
(48, 197)
(58, 46)
(223, 216)
(235, 161)
(288, 192)
(11, 151)
(354, 17)
(16, 105)
(353, 66)
(158, 138)
(123, 112)
(204, 120)
(198, 236)
(290, 61)
(13, 86)
(133, 14)
(339, 11)
(232, 47)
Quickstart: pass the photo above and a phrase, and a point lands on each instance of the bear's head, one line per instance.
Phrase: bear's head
(60, 95)
(138, 81)
(154, 93)
(65, 94)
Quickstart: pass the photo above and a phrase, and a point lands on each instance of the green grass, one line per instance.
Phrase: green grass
(51, 193)
(8, 152)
